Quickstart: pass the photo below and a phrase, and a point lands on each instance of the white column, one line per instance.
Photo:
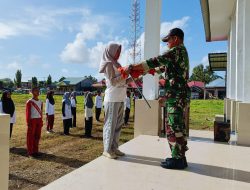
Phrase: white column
(240, 12)
(233, 59)
(228, 91)
(4, 151)
(246, 52)
(152, 45)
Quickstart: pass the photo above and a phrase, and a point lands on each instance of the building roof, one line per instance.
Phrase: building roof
(217, 61)
(71, 81)
(217, 83)
(217, 18)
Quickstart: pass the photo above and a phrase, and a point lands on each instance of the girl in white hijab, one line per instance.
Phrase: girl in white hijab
(114, 98)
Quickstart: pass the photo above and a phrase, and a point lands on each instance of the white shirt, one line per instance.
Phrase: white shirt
(127, 103)
(67, 111)
(34, 114)
(13, 118)
(50, 109)
(88, 113)
(73, 102)
(98, 101)
(115, 93)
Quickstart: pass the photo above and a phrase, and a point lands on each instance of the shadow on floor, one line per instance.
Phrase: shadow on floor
(201, 169)
(74, 163)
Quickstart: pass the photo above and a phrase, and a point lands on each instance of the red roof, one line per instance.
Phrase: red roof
(196, 83)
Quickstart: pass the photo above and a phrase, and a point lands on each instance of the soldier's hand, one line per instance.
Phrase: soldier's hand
(162, 101)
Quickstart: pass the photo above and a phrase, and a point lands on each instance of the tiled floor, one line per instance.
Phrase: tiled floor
(212, 166)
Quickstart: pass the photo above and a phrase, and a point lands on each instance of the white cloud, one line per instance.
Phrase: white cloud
(40, 21)
(204, 61)
(65, 71)
(46, 66)
(14, 66)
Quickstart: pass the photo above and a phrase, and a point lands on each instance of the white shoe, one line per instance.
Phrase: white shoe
(109, 155)
(48, 132)
(119, 153)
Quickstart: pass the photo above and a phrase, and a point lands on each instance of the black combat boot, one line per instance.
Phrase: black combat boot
(173, 163)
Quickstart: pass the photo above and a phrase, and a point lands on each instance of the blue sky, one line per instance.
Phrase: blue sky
(66, 38)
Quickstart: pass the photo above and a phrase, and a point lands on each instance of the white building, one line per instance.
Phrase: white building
(230, 20)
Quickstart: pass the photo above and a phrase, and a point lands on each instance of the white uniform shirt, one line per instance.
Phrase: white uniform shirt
(13, 118)
(34, 114)
(88, 112)
(73, 102)
(98, 101)
(115, 93)
(127, 103)
(67, 111)
(50, 109)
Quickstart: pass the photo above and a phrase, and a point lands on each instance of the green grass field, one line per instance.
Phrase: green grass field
(63, 154)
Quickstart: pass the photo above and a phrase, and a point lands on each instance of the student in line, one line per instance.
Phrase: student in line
(50, 111)
(88, 104)
(73, 107)
(66, 113)
(34, 110)
(98, 105)
(127, 108)
(7, 106)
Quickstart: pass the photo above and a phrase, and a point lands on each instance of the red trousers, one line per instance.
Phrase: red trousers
(33, 135)
(50, 122)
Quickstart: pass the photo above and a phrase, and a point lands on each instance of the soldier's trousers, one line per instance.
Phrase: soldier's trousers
(176, 132)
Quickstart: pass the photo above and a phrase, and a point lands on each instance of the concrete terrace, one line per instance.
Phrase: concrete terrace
(211, 166)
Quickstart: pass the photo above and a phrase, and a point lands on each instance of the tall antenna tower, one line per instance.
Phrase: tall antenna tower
(135, 42)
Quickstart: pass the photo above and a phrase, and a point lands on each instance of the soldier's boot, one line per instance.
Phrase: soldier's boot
(173, 163)
(184, 161)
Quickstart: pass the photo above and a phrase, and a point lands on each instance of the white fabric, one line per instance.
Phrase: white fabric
(88, 113)
(73, 102)
(127, 103)
(50, 109)
(13, 118)
(34, 113)
(115, 93)
(67, 111)
(98, 101)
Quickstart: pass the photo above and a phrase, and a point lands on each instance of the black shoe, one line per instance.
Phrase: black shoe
(184, 161)
(173, 163)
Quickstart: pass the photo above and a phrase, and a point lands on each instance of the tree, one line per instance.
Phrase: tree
(93, 79)
(49, 80)
(61, 79)
(34, 82)
(7, 83)
(204, 75)
(18, 79)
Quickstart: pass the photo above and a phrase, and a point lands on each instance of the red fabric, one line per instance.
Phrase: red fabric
(152, 72)
(33, 135)
(123, 73)
(50, 122)
(28, 112)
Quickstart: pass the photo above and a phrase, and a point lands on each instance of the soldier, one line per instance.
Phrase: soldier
(176, 64)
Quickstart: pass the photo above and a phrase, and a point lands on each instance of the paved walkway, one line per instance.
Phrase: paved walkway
(212, 166)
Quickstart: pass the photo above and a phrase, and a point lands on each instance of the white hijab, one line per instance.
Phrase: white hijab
(108, 56)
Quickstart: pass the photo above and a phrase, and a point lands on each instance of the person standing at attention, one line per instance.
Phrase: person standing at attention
(88, 106)
(34, 110)
(98, 105)
(127, 108)
(7, 106)
(66, 113)
(50, 111)
(114, 98)
(73, 107)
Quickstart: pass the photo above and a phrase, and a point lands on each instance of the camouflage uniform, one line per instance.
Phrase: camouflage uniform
(176, 65)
